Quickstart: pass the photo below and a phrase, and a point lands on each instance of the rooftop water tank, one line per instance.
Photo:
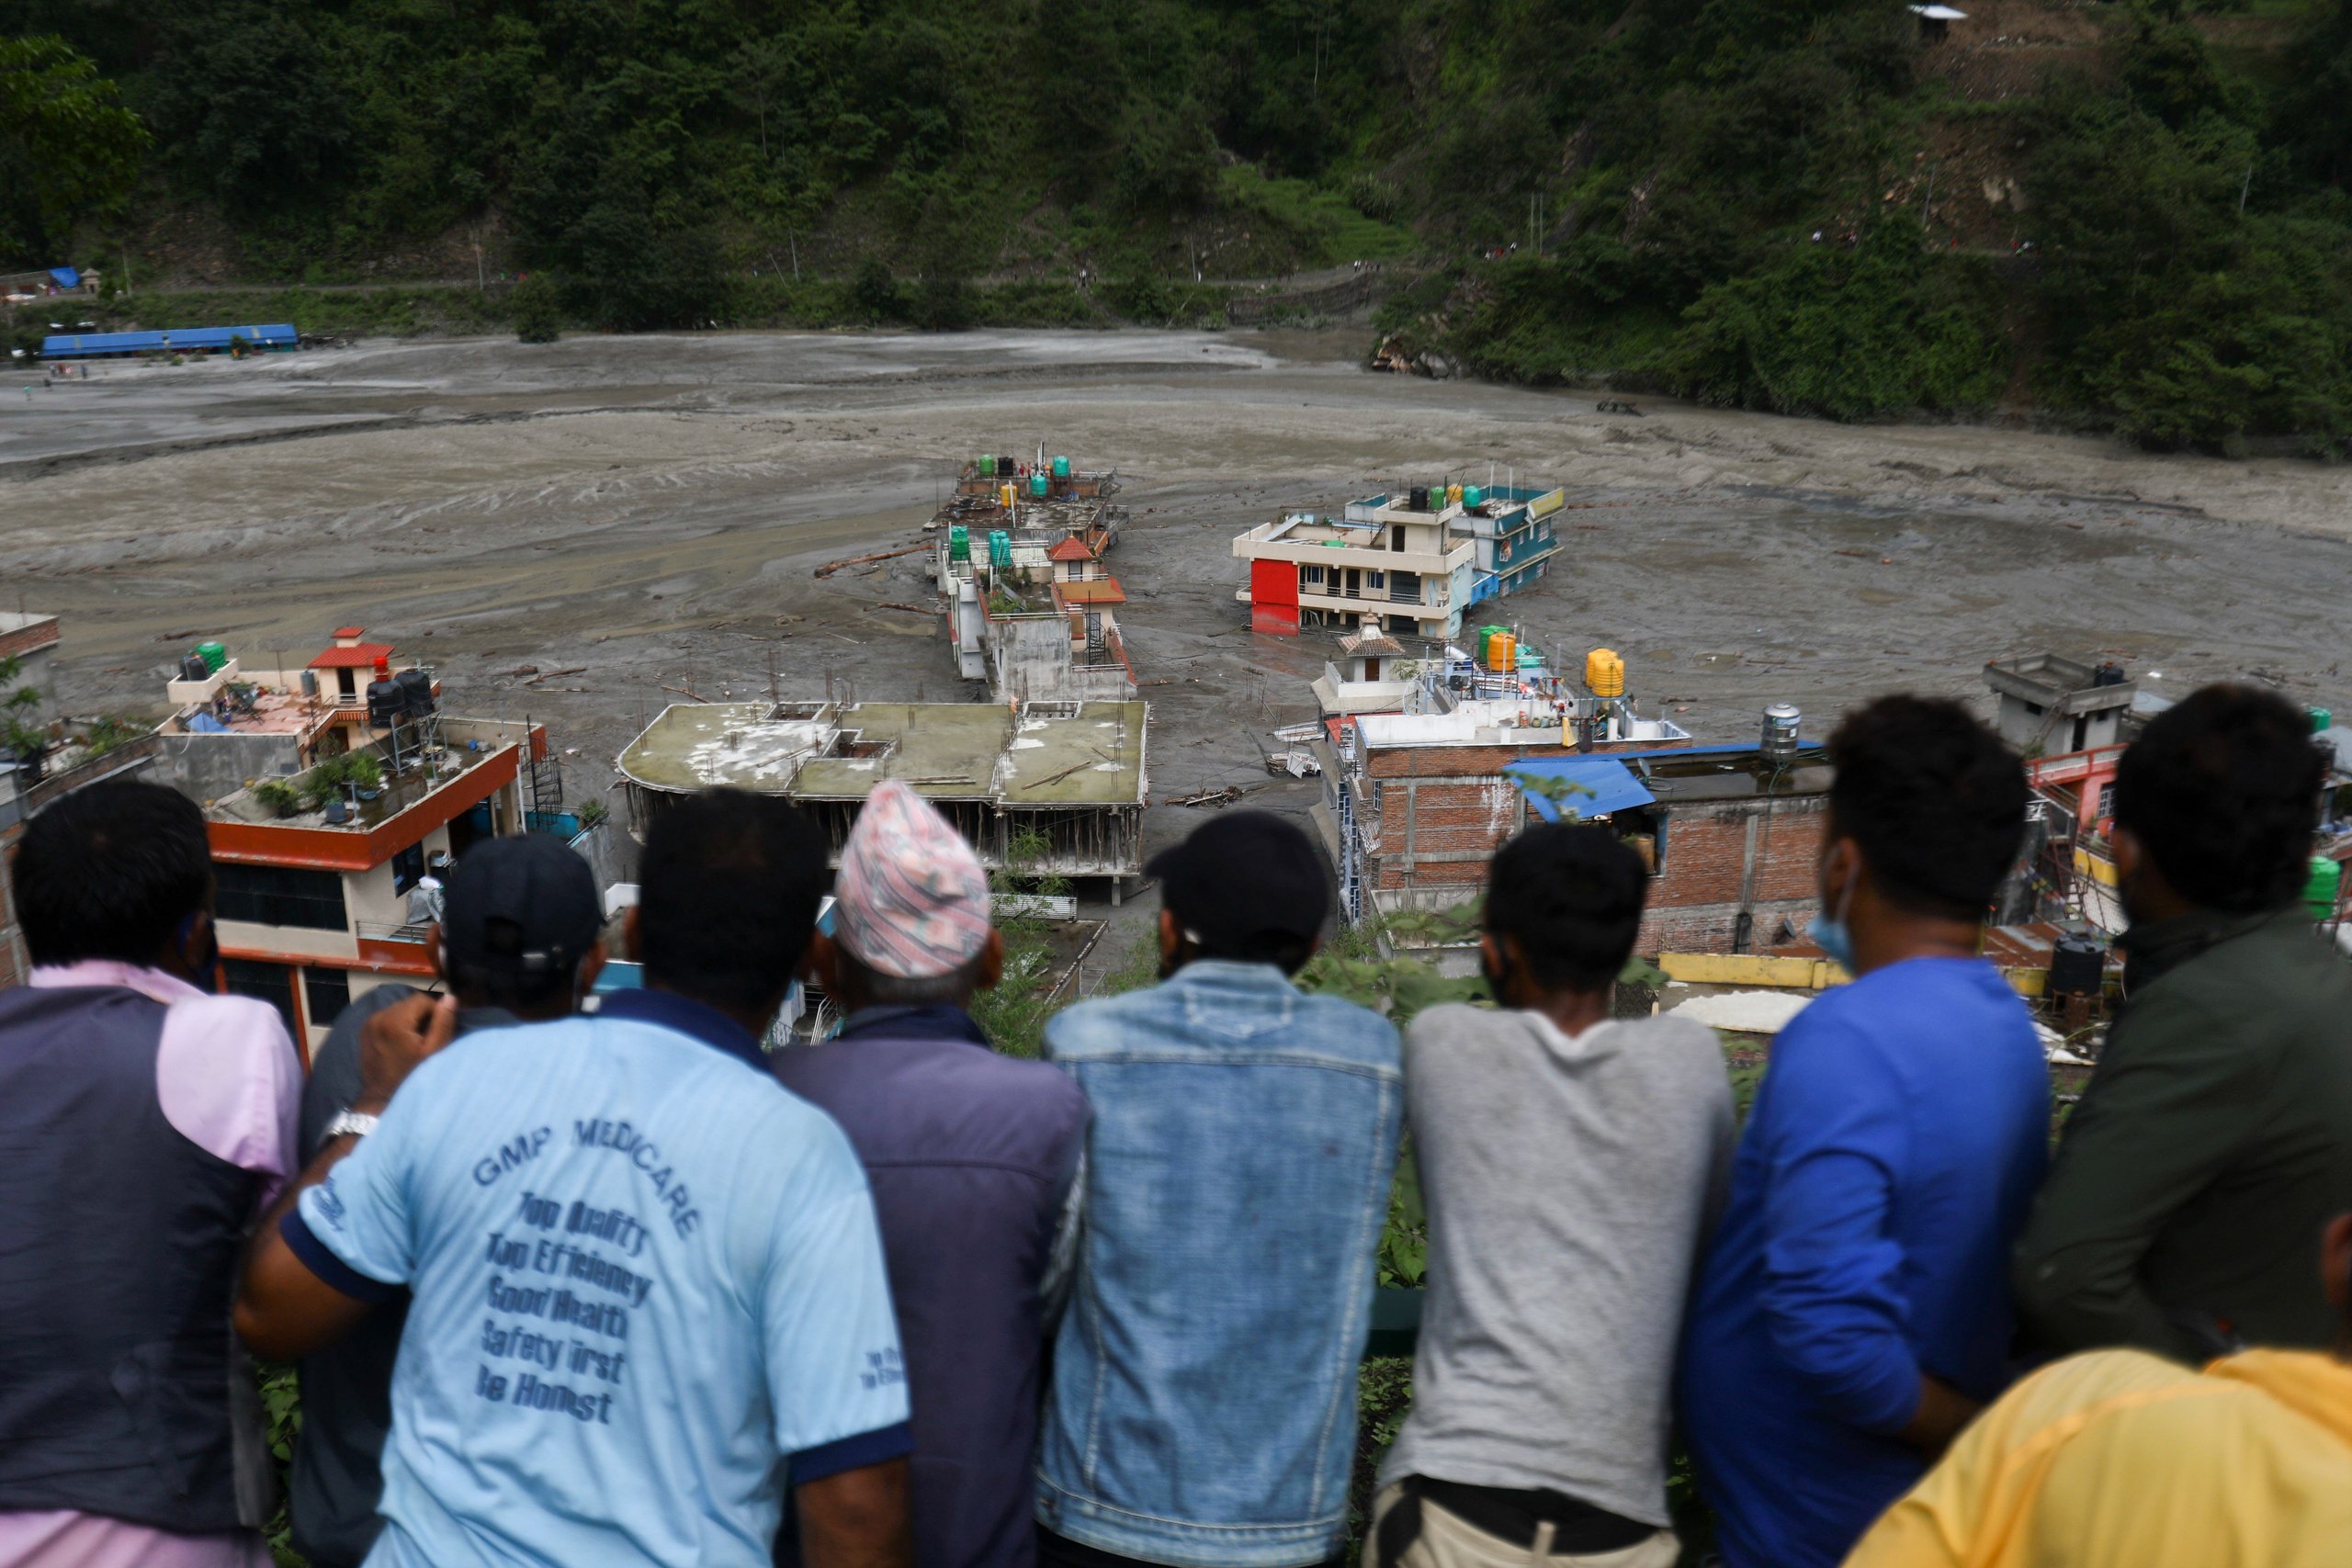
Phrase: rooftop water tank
(2077, 965)
(194, 668)
(1038, 484)
(213, 655)
(1779, 740)
(1061, 467)
(987, 465)
(1472, 496)
(2322, 889)
(2322, 721)
(1419, 501)
(1502, 653)
(416, 691)
(959, 542)
(385, 702)
(1604, 673)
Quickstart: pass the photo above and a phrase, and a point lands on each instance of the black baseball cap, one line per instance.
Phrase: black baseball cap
(1241, 877)
(520, 907)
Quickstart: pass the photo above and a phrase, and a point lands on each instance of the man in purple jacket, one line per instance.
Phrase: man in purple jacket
(972, 1158)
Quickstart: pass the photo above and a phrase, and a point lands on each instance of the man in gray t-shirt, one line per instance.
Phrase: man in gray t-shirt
(1571, 1165)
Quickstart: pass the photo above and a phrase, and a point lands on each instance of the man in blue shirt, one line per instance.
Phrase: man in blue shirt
(1244, 1135)
(1853, 1312)
(972, 1156)
(647, 1292)
(516, 942)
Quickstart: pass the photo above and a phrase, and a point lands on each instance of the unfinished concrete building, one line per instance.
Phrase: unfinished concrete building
(1041, 788)
(2050, 706)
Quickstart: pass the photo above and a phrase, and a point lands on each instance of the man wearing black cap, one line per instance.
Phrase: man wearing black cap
(1237, 1176)
(517, 944)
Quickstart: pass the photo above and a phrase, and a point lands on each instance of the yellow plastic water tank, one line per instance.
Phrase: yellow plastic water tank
(1004, 496)
(1604, 673)
(1454, 494)
(1502, 652)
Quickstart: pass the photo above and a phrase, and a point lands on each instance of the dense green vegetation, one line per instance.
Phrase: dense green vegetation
(1733, 200)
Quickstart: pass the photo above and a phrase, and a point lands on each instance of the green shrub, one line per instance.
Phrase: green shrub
(537, 311)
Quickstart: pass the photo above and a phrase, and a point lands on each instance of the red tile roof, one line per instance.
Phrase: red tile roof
(363, 656)
(1070, 548)
(342, 632)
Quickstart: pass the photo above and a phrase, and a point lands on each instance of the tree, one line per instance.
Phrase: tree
(247, 98)
(68, 146)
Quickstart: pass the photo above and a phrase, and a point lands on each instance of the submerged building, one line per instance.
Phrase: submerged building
(1045, 788)
(1417, 560)
(1032, 606)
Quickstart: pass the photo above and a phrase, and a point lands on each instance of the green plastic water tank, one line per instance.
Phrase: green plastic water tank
(213, 655)
(959, 542)
(987, 465)
(2322, 721)
(1061, 467)
(1472, 496)
(999, 547)
(1039, 483)
(2320, 892)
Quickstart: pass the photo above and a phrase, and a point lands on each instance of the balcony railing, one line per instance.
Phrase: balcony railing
(1373, 595)
(378, 931)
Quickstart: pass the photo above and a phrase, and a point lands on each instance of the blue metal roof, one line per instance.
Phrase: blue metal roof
(1609, 785)
(91, 345)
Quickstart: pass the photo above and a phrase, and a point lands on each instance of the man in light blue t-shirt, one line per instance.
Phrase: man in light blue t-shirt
(648, 1289)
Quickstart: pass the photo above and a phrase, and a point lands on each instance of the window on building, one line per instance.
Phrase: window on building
(407, 866)
(280, 896)
(1375, 580)
(1310, 576)
(263, 981)
(2105, 801)
(325, 992)
(1396, 539)
(1643, 828)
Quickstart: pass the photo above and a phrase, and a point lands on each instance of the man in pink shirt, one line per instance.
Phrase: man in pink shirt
(144, 1122)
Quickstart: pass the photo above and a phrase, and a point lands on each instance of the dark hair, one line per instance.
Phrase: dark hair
(877, 990)
(727, 894)
(1572, 894)
(2223, 791)
(111, 872)
(1933, 798)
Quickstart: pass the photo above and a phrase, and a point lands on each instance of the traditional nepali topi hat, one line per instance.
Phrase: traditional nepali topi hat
(913, 901)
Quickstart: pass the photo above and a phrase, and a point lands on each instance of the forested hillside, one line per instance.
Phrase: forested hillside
(2127, 215)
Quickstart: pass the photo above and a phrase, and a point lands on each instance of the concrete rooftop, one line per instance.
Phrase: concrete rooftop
(966, 751)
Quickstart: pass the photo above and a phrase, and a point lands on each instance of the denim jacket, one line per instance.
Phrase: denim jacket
(1204, 1404)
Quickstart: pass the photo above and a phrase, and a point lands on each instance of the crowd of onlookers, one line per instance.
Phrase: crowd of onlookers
(622, 1286)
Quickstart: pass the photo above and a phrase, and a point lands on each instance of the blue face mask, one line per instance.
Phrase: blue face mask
(1829, 933)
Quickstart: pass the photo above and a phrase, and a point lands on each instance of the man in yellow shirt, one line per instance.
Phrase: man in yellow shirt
(2118, 1458)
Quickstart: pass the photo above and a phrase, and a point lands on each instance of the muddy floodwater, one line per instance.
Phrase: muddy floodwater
(627, 521)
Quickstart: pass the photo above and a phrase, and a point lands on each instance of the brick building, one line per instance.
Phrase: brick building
(1731, 836)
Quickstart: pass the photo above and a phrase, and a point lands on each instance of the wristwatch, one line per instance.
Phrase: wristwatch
(355, 1122)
